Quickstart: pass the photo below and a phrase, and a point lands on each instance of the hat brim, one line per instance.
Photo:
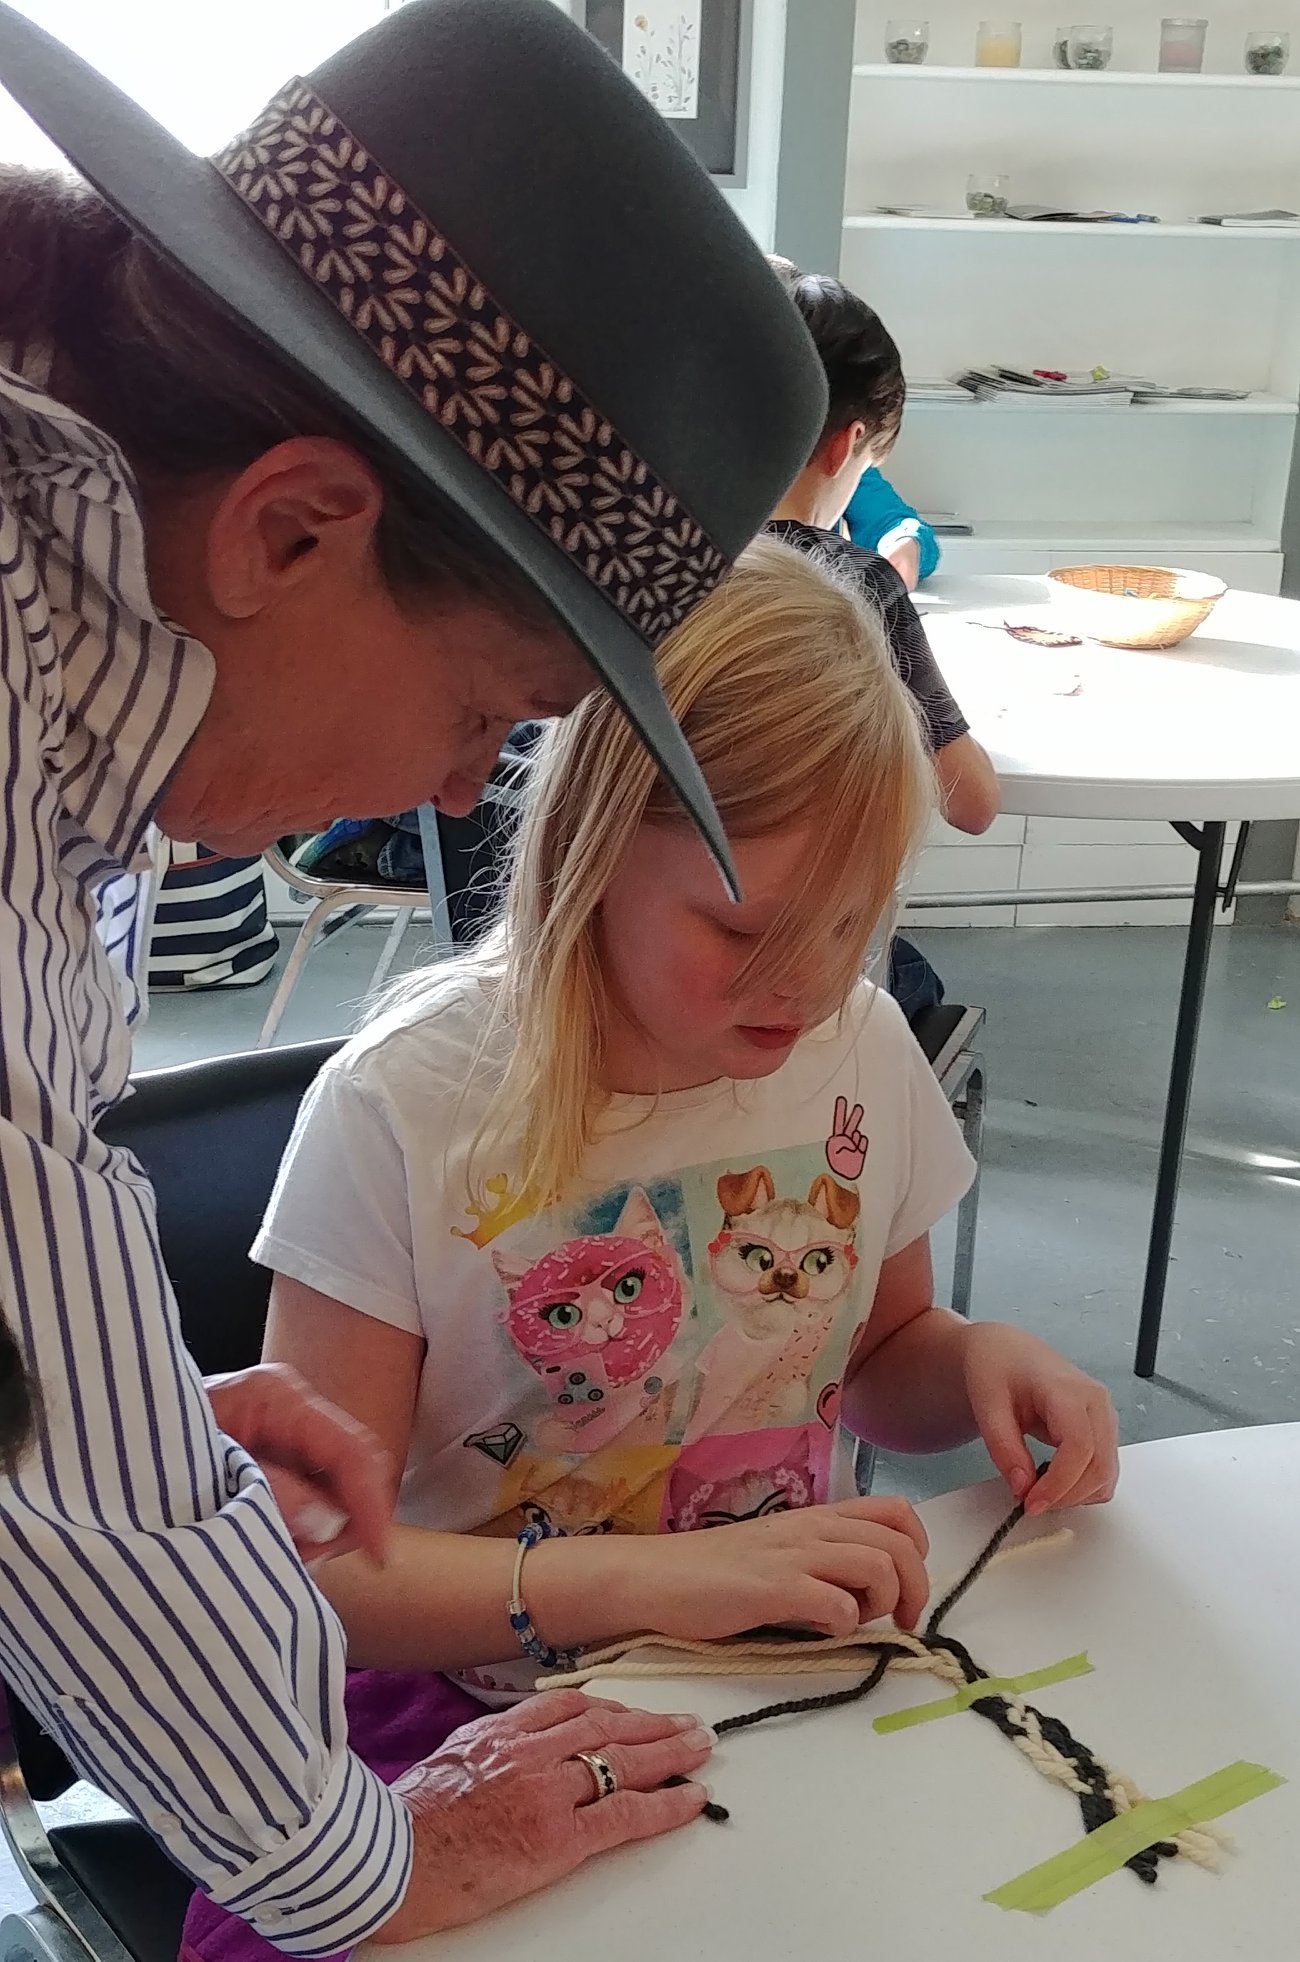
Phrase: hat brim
(181, 205)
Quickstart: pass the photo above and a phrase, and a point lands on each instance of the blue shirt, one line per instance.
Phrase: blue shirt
(153, 1612)
(878, 519)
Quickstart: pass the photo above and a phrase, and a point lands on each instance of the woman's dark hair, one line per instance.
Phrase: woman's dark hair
(186, 390)
(863, 371)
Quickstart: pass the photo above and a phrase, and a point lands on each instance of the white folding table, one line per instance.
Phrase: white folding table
(1185, 1593)
(1200, 735)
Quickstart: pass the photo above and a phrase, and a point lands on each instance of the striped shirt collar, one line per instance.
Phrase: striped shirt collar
(134, 686)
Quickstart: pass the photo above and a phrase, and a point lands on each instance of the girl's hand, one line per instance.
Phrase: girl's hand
(1018, 1388)
(828, 1568)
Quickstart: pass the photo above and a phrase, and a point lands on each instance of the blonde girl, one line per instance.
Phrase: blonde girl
(616, 1229)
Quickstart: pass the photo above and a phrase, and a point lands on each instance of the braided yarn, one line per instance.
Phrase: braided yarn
(1051, 1748)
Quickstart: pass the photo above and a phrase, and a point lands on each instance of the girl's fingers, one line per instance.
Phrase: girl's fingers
(1072, 1431)
(809, 1602)
(896, 1514)
(1005, 1442)
(888, 1578)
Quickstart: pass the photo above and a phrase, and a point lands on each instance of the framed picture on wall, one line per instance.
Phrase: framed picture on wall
(691, 58)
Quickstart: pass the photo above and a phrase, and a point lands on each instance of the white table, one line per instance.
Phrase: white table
(1209, 730)
(1185, 1594)
(1200, 735)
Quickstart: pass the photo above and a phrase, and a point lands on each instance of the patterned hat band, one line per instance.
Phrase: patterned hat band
(400, 284)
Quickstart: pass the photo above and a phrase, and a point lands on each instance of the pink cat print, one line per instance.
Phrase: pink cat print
(595, 1318)
(708, 1487)
(780, 1268)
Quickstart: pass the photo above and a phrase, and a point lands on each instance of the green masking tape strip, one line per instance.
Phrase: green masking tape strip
(1106, 1850)
(948, 1706)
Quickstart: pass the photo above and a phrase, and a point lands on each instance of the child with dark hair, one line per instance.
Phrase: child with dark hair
(862, 359)
(867, 395)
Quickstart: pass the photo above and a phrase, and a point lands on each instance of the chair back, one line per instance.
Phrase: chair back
(211, 1135)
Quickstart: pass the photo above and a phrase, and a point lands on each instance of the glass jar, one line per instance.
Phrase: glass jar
(988, 193)
(907, 42)
(1182, 45)
(997, 44)
(1061, 48)
(1090, 47)
(1267, 52)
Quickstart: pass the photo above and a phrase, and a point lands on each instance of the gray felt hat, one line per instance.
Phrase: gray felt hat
(475, 235)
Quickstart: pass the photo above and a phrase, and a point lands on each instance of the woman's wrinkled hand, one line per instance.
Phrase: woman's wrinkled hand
(505, 1808)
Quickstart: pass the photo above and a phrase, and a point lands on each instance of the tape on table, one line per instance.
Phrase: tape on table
(1105, 1851)
(948, 1706)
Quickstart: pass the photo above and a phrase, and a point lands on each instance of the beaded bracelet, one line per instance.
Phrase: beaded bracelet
(521, 1621)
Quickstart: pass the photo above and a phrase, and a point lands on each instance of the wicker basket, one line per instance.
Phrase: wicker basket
(1142, 606)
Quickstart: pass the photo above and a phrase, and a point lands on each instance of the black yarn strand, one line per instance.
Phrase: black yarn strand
(1096, 1806)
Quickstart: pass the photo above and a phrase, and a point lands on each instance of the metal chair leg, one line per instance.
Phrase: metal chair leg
(969, 1110)
(308, 934)
(41, 1935)
(401, 920)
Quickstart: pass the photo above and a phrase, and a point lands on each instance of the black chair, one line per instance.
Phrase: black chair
(210, 1135)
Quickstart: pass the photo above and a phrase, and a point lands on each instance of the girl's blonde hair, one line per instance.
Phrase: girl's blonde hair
(783, 683)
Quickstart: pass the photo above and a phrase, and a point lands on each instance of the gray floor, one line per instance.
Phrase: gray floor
(1080, 1024)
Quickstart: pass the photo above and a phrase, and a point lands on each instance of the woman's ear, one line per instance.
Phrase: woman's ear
(302, 513)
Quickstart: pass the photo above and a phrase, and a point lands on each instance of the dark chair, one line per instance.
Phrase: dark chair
(210, 1135)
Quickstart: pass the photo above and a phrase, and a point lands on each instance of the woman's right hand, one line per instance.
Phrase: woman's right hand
(506, 1807)
(829, 1568)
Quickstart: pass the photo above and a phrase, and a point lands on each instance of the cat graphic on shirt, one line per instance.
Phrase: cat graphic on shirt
(780, 1269)
(595, 1319)
(700, 1494)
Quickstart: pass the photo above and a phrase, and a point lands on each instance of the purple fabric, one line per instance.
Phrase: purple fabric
(395, 1717)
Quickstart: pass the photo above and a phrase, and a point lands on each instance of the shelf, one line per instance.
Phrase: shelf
(1071, 78)
(1086, 539)
(879, 221)
(1259, 405)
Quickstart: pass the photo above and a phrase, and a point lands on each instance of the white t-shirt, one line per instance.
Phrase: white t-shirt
(664, 1349)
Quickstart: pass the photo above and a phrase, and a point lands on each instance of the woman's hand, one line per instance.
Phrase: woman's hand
(505, 1808)
(829, 1568)
(1018, 1388)
(331, 1480)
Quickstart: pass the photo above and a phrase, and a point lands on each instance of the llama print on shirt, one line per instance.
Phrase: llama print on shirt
(780, 1269)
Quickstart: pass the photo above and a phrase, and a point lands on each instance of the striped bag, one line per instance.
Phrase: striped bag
(210, 924)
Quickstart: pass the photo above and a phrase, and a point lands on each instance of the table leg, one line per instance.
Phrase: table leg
(1209, 846)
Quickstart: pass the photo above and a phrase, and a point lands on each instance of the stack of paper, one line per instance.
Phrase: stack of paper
(1012, 388)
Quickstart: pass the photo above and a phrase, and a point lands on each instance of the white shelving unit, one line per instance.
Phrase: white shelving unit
(1178, 301)
(1201, 485)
